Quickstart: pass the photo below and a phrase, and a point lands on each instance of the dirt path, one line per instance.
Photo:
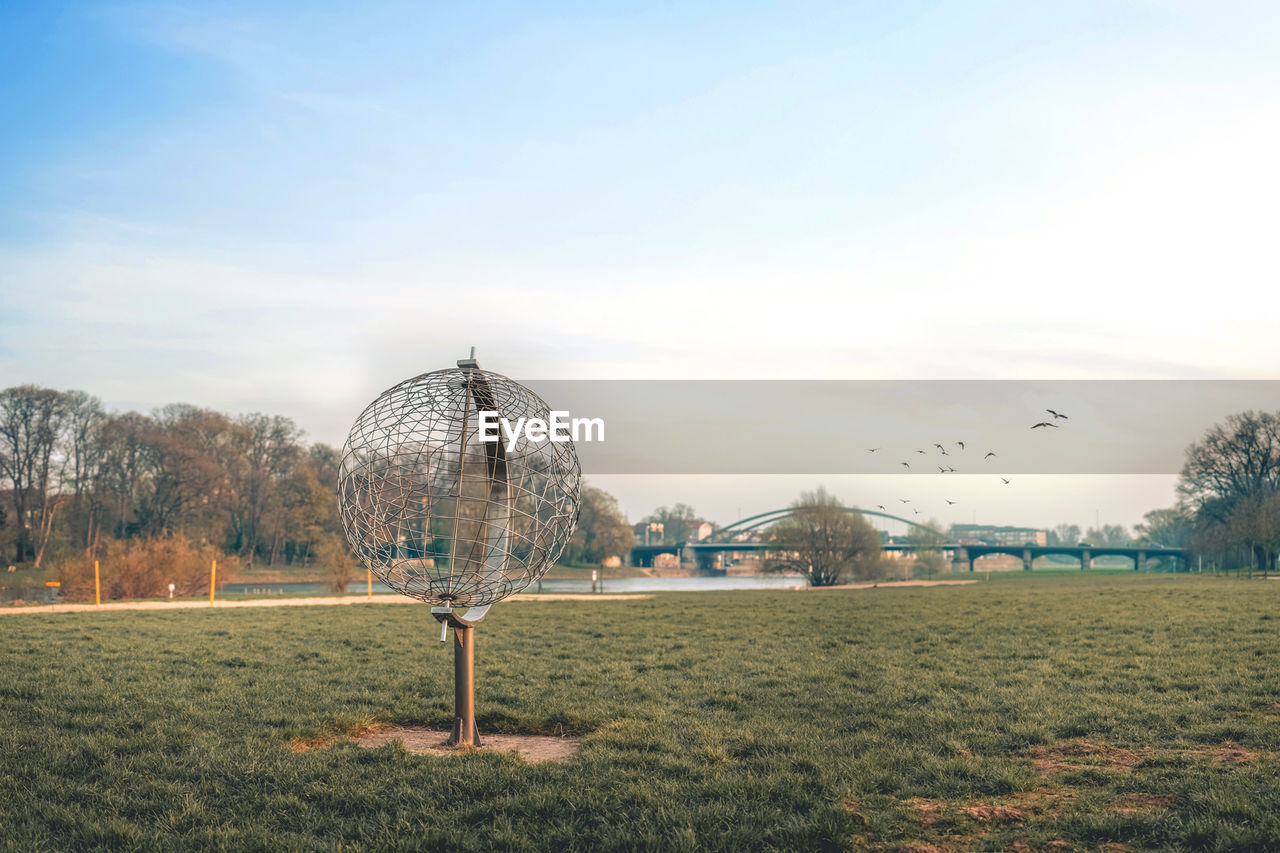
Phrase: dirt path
(400, 599)
(287, 602)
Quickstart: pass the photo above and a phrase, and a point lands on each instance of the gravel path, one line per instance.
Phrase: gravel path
(285, 602)
(400, 599)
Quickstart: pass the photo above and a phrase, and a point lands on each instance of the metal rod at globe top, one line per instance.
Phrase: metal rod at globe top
(464, 731)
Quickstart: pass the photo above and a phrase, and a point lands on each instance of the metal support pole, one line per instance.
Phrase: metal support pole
(464, 689)
(464, 732)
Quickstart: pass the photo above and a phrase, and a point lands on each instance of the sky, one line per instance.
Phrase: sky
(288, 207)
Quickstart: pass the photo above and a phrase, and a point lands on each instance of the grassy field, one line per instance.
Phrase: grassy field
(1063, 712)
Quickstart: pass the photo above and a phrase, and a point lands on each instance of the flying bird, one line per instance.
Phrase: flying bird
(950, 503)
(1056, 414)
(941, 470)
(919, 451)
(905, 500)
(990, 453)
(940, 447)
(881, 508)
(961, 443)
(872, 449)
(916, 511)
(1044, 424)
(1003, 480)
(904, 465)
(950, 469)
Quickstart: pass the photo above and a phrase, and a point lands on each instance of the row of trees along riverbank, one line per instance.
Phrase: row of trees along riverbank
(78, 478)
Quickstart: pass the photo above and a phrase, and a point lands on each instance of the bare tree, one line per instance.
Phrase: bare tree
(928, 541)
(119, 482)
(1255, 523)
(183, 469)
(677, 522)
(823, 541)
(1066, 534)
(1234, 459)
(84, 419)
(268, 447)
(308, 509)
(603, 531)
(1228, 475)
(32, 421)
(84, 450)
(1111, 535)
(1169, 528)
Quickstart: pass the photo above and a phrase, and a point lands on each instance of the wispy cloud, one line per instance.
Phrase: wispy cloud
(257, 203)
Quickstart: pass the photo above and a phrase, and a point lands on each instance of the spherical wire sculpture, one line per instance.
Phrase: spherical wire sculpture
(441, 515)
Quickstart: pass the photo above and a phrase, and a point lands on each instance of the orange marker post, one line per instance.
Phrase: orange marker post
(213, 581)
(369, 581)
(97, 587)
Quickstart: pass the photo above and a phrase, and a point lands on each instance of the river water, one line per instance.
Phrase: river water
(694, 584)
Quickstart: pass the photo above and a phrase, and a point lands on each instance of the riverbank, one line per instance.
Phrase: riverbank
(188, 604)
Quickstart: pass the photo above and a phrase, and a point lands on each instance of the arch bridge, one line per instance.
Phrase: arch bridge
(962, 554)
(752, 522)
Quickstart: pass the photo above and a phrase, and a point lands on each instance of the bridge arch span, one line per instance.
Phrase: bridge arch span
(764, 518)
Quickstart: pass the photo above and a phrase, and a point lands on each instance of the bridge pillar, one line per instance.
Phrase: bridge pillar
(1139, 560)
(1026, 559)
(1086, 559)
(959, 557)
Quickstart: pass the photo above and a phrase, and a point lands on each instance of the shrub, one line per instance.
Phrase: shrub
(143, 568)
(340, 565)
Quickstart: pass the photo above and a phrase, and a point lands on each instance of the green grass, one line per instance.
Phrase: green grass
(880, 719)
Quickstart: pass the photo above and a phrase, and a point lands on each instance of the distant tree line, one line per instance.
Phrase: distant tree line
(677, 523)
(1228, 508)
(1108, 534)
(76, 477)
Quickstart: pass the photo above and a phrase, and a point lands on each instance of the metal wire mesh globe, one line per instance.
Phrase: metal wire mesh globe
(438, 514)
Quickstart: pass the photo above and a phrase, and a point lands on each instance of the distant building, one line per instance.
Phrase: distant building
(651, 532)
(648, 533)
(990, 534)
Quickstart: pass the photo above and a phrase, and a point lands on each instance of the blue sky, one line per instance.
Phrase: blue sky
(288, 207)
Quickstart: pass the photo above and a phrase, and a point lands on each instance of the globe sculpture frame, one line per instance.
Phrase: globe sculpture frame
(445, 516)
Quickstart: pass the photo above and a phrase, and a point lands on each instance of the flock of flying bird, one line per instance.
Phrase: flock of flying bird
(947, 469)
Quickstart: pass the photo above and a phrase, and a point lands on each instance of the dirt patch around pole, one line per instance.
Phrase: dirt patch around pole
(422, 741)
